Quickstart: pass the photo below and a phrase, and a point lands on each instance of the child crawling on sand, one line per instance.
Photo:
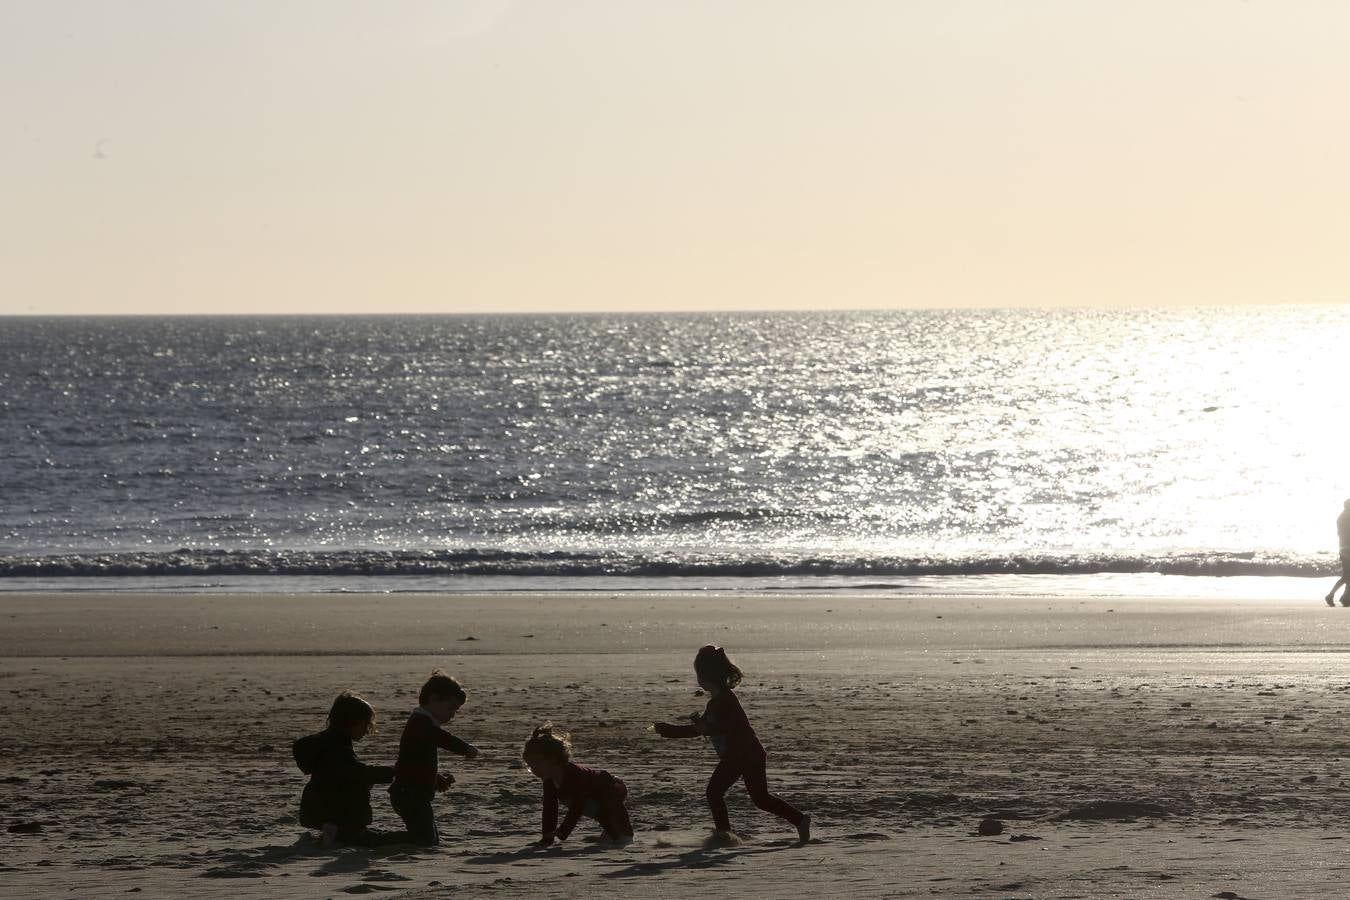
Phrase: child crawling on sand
(416, 779)
(588, 792)
(740, 754)
(336, 800)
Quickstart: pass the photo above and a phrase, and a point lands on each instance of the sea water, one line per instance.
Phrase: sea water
(757, 449)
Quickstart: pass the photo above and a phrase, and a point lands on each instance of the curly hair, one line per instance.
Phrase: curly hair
(711, 664)
(550, 744)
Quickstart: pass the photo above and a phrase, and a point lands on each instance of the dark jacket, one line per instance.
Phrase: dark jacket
(725, 722)
(339, 783)
(729, 728)
(417, 759)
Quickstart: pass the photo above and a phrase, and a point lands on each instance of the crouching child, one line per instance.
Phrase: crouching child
(336, 800)
(588, 792)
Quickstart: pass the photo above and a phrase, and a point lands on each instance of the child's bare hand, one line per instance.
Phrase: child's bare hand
(471, 753)
(662, 728)
(443, 782)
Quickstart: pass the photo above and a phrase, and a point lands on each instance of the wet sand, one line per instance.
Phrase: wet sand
(1132, 748)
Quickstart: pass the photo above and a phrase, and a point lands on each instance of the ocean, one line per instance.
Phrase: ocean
(762, 450)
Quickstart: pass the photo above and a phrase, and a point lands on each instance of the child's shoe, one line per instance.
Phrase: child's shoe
(328, 837)
(804, 829)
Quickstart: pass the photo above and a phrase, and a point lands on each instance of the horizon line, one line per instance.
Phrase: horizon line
(668, 312)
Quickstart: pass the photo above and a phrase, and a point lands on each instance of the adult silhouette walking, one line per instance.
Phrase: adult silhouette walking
(1343, 530)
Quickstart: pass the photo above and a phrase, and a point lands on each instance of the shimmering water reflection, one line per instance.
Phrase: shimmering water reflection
(1213, 434)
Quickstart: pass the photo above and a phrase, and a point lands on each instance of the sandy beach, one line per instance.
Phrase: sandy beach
(1130, 747)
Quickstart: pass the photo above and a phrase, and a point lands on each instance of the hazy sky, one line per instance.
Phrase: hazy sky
(483, 155)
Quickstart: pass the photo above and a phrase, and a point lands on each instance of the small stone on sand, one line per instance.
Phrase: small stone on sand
(990, 827)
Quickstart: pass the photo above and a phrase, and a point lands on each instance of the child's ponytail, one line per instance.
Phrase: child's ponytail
(712, 663)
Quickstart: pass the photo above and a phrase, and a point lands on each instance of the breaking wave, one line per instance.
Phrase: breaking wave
(203, 562)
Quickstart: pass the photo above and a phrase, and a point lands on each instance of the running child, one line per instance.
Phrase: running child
(588, 792)
(336, 800)
(740, 754)
(416, 778)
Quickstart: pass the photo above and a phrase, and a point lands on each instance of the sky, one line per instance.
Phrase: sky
(266, 156)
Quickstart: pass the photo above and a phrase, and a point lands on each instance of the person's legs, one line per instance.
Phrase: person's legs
(723, 777)
(1345, 576)
(414, 808)
(757, 785)
(613, 815)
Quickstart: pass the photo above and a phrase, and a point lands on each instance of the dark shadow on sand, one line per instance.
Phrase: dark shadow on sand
(233, 862)
(345, 864)
(694, 859)
(535, 852)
